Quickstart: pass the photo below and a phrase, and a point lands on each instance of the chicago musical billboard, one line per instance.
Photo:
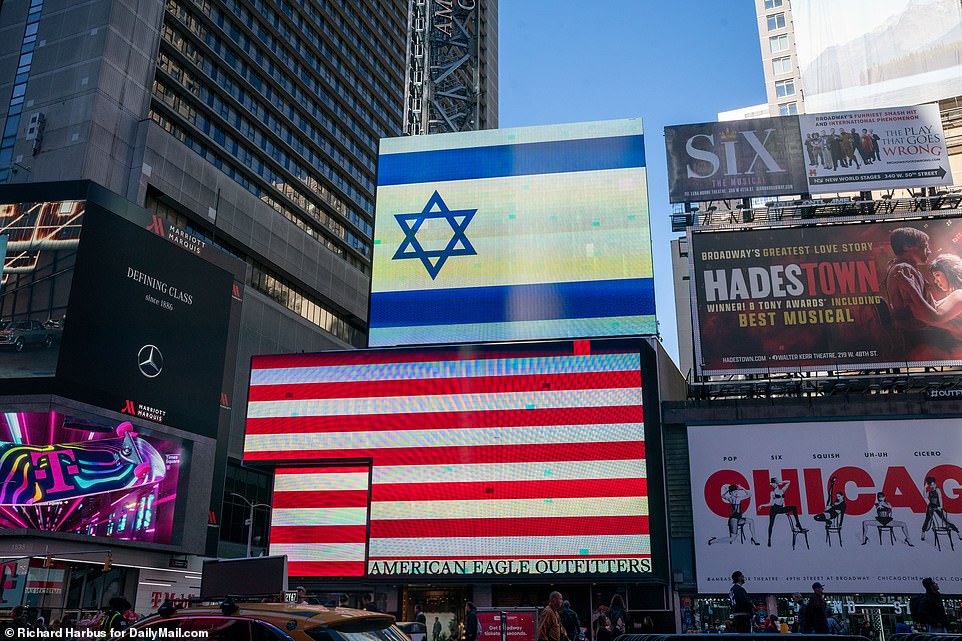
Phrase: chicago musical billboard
(813, 153)
(512, 234)
(860, 506)
(828, 297)
(77, 477)
(507, 460)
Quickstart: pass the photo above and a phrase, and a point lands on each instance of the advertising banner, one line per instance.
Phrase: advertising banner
(41, 241)
(880, 149)
(813, 153)
(79, 478)
(515, 624)
(148, 325)
(860, 506)
(828, 297)
(734, 159)
(865, 54)
(512, 234)
(492, 461)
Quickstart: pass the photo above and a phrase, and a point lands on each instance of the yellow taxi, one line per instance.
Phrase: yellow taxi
(267, 622)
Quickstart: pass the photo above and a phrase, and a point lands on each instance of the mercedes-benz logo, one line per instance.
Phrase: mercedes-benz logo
(150, 361)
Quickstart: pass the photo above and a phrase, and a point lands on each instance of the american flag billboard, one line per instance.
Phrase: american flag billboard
(472, 460)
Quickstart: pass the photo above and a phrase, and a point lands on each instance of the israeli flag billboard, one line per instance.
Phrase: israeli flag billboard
(512, 234)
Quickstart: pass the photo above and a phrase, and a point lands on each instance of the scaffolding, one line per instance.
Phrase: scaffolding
(441, 89)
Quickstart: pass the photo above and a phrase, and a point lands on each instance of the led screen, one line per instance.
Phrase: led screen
(41, 248)
(531, 233)
(500, 460)
(861, 506)
(867, 295)
(148, 326)
(66, 475)
(125, 315)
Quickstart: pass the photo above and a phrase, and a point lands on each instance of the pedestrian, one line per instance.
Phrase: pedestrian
(799, 625)
(933, 610)
(549, 622)
(618, 617)
(816, 612)
(436, 630)
(570, 621)
(472, 629)
(114, 620)
(600, 627)
(771, 625)
(19, 619)
(367, 603)
(901, 627)
(834, 622)
(741, 606)
(302, 595)
(419, 615)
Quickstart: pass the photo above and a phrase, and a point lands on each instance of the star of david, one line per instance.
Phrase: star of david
(434, 260)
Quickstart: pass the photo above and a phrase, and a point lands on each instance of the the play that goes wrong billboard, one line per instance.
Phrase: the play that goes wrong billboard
(515, 460)
(828, 297)
(512, 234)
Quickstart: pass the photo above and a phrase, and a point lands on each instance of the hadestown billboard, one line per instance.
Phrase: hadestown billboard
(856, 296)
(814, 153)
(860, 506)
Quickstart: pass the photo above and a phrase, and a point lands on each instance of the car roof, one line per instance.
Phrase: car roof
(308, 616)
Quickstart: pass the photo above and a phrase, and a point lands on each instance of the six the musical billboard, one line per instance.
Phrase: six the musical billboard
(814, 153)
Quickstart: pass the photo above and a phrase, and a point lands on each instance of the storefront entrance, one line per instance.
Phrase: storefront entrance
(443, 609)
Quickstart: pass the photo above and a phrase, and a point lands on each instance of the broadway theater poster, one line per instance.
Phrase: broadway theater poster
(831, 297)
(860, 506)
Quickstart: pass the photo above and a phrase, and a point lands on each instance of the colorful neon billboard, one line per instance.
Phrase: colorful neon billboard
(62, 475)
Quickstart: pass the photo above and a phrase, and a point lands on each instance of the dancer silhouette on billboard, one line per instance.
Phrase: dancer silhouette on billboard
(777, 506)
(734, 496)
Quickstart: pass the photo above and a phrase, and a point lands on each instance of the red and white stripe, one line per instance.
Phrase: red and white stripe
(495, 456)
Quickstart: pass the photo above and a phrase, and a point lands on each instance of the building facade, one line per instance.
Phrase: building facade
(248, 128)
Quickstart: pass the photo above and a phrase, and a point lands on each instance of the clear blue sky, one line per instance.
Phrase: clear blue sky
(668, 63)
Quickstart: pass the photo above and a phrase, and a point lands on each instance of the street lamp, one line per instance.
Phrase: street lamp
(250, 519)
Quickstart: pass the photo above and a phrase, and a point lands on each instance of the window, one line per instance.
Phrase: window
(788, 109)
(772, 4)
(776, 21)
(785, 87)
(782, 65)
(778, 43)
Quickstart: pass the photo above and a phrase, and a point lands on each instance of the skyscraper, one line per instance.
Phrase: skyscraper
(251, 125)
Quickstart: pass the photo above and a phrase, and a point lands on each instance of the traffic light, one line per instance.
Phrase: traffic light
(48, 562)
(108, 563)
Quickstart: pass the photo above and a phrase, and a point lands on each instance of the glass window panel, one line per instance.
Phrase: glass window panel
(778, 43)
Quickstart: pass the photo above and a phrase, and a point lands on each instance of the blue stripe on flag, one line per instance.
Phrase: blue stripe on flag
(592, 154)
(506, 303)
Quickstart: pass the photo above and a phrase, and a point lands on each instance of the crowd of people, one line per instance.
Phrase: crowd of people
(559, 622)
(116, 616)
(813, 615)
(831, 149)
